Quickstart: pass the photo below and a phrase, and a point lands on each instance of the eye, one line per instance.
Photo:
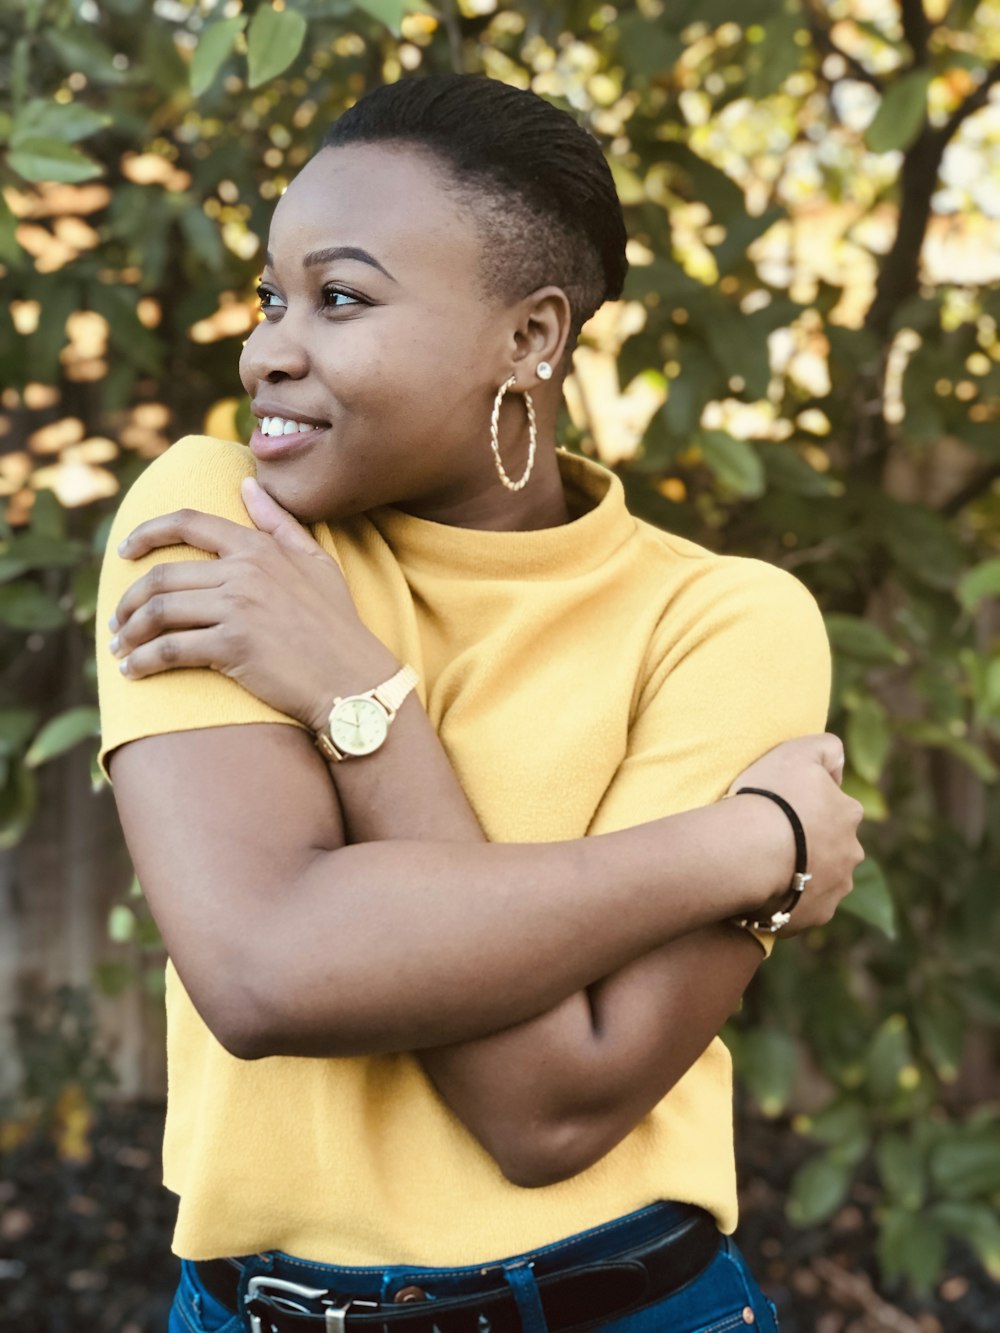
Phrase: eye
(266, 297)
(336, 298)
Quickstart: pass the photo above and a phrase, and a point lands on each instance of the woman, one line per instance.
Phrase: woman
(441, 855)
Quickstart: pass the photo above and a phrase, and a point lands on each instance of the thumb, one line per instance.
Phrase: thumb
(268, 516)
(831, 756)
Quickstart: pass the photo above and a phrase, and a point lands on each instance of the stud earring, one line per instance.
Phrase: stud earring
(543, 370)
(495, 437)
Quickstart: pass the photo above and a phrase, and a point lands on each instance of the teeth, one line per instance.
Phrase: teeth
(283, 426)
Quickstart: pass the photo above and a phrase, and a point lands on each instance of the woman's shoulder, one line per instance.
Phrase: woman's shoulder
(721, 573)
(197, 472)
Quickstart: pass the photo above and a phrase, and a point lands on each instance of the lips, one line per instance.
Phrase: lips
(270, 447)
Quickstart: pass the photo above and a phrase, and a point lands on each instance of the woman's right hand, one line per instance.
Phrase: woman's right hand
(807, 772)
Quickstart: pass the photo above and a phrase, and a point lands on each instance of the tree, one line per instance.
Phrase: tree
(798, 372)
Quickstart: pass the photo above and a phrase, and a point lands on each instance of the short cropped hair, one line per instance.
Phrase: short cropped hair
(535, 180)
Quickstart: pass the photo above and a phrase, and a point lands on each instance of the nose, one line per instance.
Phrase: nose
(272, 353)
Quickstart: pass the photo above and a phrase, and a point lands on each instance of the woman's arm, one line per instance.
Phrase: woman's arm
(553, 1095)
(550, 1097)
(287, 946)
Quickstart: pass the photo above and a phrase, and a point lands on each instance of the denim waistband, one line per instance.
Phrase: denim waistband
(380, 1282)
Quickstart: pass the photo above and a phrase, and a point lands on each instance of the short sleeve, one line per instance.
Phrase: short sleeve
(197, 472)
(741, 663)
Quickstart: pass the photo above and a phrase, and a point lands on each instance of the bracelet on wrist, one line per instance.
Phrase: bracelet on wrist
(770, 925)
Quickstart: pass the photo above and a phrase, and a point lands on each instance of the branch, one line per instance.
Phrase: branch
(972, 490)
(819, 29)
(452, 26)
(974, 102)
(916, 29)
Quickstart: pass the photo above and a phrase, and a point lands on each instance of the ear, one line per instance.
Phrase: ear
(541, 333)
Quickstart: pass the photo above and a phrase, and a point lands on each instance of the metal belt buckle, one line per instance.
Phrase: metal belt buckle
(334, 1316)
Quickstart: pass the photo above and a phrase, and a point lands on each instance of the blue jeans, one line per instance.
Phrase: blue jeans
(723, 1298)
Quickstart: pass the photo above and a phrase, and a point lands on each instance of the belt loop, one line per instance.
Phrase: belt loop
(521, 1279)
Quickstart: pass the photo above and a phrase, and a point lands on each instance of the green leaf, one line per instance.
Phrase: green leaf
(43, 348)
(646, 46)
(979, 1225)
(974, 756)
(79, 51)
(888, 1055)
(967, 1163)
(20, 69)
(868, 794)
(274, 39)
(114, 979)
(901, 1167)
(202, 234)
(389, 12)
(84, 585)
(769, 1060)
(36, 551)
(16, 728)
(922, 542)
(45, 119)
(121, 923)
(10, 248)
(48, 518)
(911, 1245)
(118, 305)
(214, 47)
(18, 802)
(868, 739)
(839, 1122)
(817, 1190)
(862, 640)
(41, 159)
(62, 733)
(870, 899)
(25, 606)
(980, 582)
(735, 463)
(940, 1025)
(901, 113)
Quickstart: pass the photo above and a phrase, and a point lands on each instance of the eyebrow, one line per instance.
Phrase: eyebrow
(333, 252)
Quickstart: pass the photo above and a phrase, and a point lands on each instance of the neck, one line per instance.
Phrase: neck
(491, 507)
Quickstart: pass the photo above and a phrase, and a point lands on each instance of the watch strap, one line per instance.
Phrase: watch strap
(391, 693)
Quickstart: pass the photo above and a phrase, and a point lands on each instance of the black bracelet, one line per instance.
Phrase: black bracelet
(772, 924)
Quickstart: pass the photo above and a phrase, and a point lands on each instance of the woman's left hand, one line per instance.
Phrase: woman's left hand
(272, 611)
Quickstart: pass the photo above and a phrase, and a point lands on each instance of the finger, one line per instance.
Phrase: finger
(168, 652)
(165, 578)
(268, 516)
(832, 756)
(187, 527)
(165, 611)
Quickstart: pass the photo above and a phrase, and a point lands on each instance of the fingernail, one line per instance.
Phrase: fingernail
(123, 666)
(113, 624)
(114, 645)
(122, 545)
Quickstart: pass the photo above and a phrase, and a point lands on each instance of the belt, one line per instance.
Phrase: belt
(572, 1297)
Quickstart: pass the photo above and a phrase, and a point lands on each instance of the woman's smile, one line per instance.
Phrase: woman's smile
(285, 444)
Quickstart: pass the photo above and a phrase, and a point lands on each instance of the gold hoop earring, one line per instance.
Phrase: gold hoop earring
(495, 437)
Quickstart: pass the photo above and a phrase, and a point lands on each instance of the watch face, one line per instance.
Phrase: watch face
(358, 725)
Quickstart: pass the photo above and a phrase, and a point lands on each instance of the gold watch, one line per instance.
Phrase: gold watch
(359, 723)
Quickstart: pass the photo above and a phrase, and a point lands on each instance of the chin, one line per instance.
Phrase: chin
(305, 502)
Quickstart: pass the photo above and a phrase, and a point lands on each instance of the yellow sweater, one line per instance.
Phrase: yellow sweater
(582, 679)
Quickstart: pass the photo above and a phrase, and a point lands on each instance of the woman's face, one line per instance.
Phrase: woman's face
(376, 326)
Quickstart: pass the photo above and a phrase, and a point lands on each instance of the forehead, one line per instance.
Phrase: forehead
(393, 201)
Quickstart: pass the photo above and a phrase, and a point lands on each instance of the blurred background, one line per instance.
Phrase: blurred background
(804, 368)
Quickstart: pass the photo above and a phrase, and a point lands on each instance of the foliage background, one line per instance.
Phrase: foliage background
(805, 368)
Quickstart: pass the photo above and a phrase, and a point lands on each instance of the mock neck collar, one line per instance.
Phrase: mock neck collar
(593, 494)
